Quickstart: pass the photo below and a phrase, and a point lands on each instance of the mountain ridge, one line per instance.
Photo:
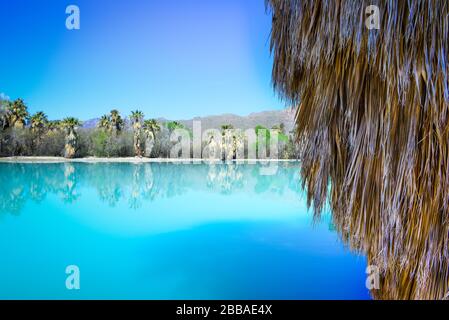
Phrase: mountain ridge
(268, 119)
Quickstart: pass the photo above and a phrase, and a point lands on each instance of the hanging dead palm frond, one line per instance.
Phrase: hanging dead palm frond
(373, 128)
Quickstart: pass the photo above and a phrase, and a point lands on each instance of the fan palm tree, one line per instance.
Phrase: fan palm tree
(17, 113)
(150, 128)
(136, 121)
(279, 128)
(39, 121)
(116, 121)
(38, 125)
(104, 123)
(54, 125)
(70, 124)
(372, 128)
(228, 139)
(225, 127)
(173, 125)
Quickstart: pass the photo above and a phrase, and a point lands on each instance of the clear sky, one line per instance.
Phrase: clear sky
(170, 58)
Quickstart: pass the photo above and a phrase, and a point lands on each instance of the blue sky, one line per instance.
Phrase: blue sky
(171, 58)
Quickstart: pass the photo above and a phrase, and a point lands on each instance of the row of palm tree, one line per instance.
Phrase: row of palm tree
(15, 115)
(114, 124)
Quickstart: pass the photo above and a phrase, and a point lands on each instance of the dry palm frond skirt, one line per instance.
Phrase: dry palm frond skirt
(373, 129)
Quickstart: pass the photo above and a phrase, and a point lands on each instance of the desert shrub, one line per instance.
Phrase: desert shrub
(100, 143)
(120, 145)
(162, 144)
(97, 143)
(84, 143)
(51, 144)
(16, 142)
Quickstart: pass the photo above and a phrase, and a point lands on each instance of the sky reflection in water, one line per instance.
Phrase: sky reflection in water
(168, 231)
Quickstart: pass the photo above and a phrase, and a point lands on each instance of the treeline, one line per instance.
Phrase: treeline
(23, 134)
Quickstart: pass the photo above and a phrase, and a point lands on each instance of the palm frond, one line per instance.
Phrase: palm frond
(373, 128)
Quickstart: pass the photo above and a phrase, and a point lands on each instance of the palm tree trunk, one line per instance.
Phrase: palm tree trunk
(137, 146)
(149, 145)
(70, 145)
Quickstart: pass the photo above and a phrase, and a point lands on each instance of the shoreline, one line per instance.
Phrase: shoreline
(26, 159)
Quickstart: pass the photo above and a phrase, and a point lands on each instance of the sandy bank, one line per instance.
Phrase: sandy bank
(120, 160)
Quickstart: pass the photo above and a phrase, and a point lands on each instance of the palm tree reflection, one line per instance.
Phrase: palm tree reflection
(116, 182)
(69, 193)
(136, 186)
(225, 178)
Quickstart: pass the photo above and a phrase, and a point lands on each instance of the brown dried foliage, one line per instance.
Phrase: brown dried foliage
(373, 127)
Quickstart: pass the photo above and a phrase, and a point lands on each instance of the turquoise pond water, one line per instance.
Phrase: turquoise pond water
(168, 231)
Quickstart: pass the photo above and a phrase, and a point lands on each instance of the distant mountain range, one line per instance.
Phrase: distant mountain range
(267, 119)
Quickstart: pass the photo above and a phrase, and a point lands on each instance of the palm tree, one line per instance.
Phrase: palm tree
(279, 128)
(54, 125)
(228, 141)
(136, 120)
(173, 125)
(150, 128)
(38, 125)
(39, 121)
(70, 124)
(104, 123)
(116, 121)
(372, 127)
(282, 128)
(225, 127)
(17, 113)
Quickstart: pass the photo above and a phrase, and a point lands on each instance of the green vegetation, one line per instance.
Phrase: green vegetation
(22, 135)
(173, 125)
(286, 143)
(36, 135)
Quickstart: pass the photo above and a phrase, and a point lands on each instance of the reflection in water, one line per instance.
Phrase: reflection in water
(225, 178)
(134, 183)
(69, 192)
(412, 257)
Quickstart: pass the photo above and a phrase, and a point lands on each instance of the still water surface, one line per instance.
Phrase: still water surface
(168, 231)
